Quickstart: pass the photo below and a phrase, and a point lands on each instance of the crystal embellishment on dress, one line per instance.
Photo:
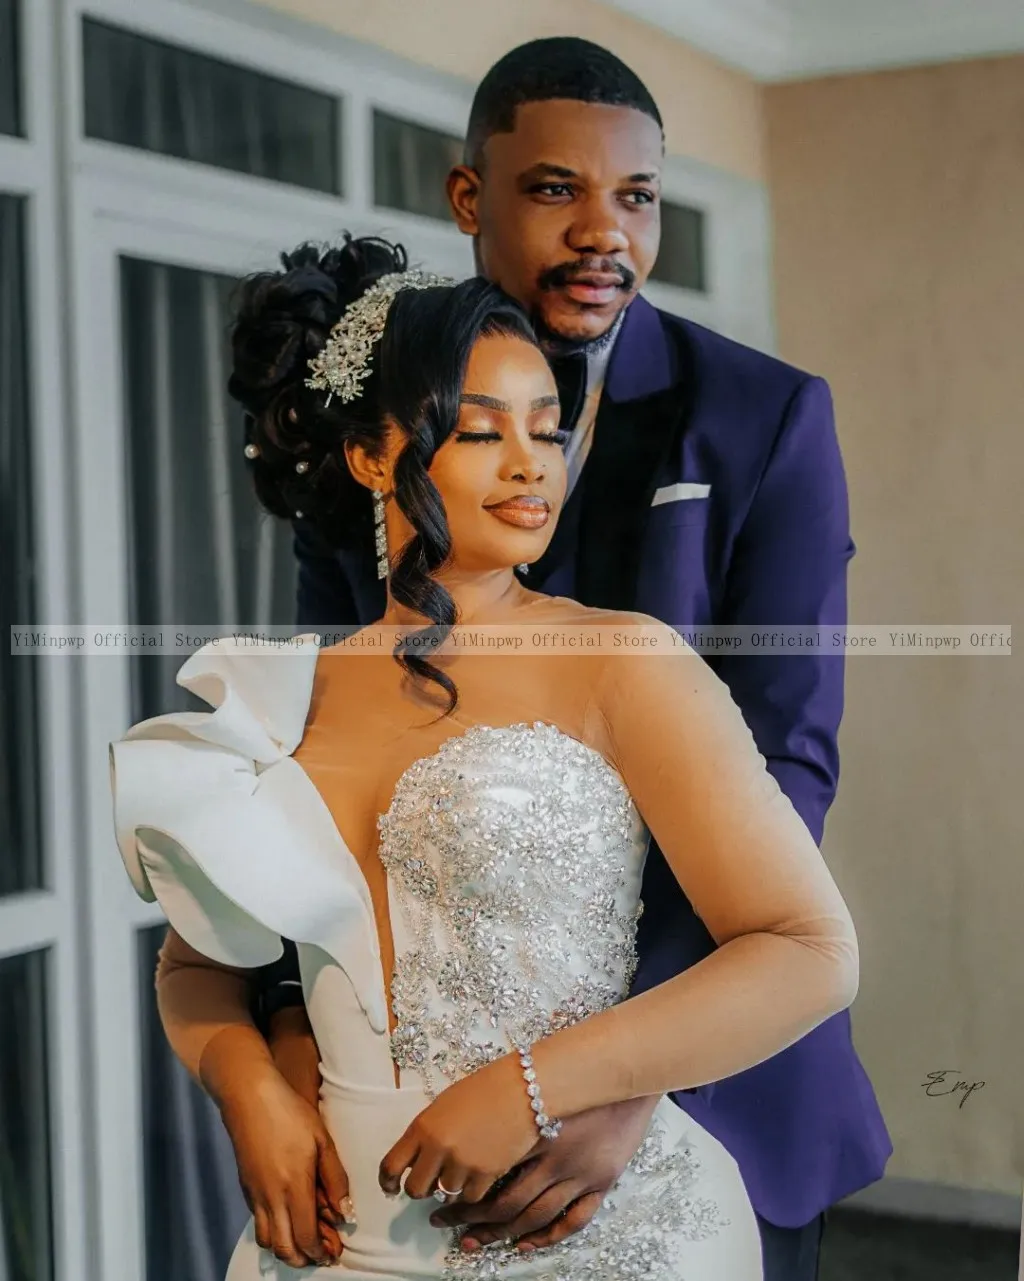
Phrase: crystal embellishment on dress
(637, 1235)
(514, 859)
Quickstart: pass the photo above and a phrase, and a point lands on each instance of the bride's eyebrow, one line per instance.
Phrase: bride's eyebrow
(544, 402)
(487, 402)
(503, 406)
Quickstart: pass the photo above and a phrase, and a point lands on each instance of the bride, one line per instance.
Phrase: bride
(454, 838)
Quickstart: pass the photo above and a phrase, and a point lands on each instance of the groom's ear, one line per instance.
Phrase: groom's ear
(464, 198)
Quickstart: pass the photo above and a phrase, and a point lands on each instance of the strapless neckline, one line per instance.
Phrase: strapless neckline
(470, 735)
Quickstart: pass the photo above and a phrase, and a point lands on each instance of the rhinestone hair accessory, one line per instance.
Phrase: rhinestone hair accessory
(343, 365)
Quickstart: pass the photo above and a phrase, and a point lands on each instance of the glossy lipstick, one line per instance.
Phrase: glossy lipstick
(527, 511)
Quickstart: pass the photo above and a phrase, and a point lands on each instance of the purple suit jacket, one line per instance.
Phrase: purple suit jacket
(768, 546)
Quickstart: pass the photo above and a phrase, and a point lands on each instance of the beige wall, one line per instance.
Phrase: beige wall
(711, 113)
(899, 214)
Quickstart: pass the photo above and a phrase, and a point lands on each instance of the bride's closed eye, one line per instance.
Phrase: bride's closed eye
(557, 437)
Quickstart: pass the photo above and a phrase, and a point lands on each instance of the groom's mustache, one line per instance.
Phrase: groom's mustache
(569, 273)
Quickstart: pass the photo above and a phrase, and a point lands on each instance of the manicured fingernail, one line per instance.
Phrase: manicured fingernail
(469, 1244)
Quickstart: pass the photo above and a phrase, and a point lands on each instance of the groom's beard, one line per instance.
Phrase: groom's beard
(556, 345)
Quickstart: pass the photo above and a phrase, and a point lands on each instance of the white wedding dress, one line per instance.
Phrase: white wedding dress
(514, 856)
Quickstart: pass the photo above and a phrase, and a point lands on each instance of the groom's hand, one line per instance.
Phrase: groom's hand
(559, 1190)
(297, 1057)
(283, 1152)
(295, 1051)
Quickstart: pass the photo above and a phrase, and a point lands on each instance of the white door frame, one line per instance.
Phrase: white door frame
(47, 920)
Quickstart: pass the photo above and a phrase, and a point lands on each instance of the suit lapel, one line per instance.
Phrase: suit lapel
(632, 443)
(644, 409)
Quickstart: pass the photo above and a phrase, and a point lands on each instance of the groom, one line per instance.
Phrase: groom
(706, 488)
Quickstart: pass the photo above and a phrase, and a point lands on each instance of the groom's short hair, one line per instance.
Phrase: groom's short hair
(557, 67)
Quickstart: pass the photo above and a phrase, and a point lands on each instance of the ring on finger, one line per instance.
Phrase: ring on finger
(442, 1194)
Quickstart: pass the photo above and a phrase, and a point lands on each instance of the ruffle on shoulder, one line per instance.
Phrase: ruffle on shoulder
(218, 823)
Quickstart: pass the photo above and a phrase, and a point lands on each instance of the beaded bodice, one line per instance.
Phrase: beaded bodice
(514, 859)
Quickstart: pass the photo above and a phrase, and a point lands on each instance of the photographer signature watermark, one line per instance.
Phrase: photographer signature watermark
(949, 1082)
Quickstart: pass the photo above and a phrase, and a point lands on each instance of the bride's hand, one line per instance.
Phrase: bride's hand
(470, 1136)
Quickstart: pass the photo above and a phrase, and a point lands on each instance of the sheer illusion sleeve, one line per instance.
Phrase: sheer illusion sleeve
(787, 951)
(198, 998)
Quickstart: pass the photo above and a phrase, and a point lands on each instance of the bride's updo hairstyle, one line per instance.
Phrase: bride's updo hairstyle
(297, 439)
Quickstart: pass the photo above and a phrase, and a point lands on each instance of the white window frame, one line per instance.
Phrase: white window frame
(47, 920)
(737, 253)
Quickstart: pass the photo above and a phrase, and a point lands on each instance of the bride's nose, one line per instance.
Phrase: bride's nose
(528, 474)
(524, 464)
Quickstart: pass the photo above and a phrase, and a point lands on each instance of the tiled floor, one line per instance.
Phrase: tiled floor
(872, 1247)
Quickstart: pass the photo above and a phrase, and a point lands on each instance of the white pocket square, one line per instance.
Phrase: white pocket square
(684, 489)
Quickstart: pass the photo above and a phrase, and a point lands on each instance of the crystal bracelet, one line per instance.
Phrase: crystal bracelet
(549, 1129)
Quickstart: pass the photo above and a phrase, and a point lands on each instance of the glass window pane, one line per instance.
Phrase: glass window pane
(10, 68)
(21, 855)
(26, 1228)
(159, 97)
(681, 259)
(410, 165)
(195, 1211)
(202, 553)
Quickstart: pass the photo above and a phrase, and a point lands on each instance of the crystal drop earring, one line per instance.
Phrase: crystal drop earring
(380, 534)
